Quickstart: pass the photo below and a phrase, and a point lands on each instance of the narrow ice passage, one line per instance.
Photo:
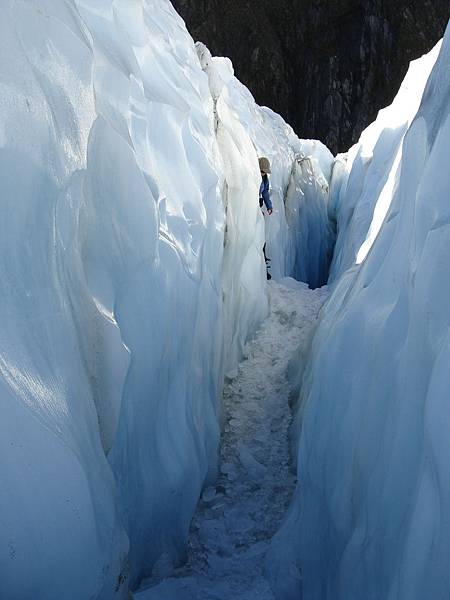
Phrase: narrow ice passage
(237, 518)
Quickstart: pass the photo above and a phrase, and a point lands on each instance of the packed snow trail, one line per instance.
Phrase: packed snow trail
(237, 518)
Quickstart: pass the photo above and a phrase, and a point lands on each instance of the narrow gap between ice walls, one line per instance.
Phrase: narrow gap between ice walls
(300, 234)
(310, 225)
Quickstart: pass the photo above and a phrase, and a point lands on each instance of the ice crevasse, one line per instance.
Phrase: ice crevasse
(371, 514)
(132, 274)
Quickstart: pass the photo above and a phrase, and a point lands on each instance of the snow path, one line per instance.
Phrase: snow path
(237, 518)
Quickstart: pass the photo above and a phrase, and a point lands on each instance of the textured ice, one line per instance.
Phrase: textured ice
(132, 275)
(370, 519)
(312, 235)
(301, 173)
(363, 181)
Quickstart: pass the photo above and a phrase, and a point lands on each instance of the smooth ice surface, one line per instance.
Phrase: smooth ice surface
(132, 276)
(239, 514)
(371, 517)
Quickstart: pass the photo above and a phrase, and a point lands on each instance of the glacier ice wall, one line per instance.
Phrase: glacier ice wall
(363, 180)
(152, 254)
(370, 518)
(112, 247)
(245, 298)
(312, 236)
(59, 517)
(132, 274)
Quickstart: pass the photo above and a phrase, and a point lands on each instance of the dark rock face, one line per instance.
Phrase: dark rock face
(327, 66)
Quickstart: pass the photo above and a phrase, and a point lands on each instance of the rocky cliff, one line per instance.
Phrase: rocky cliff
(327, 66)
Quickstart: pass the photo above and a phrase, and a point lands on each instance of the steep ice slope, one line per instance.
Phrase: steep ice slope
(371, 517)
(112, 244)
(115, 179)
(60, 530)
(371, 170)
(245, 297)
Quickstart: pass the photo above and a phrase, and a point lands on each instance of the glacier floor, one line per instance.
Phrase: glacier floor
(237, 518)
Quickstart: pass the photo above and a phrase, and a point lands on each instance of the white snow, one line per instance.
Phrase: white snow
(238, 516)
(371, 514)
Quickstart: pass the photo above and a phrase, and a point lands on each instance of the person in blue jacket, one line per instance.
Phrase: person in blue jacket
(264, 194)
(264, 197)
